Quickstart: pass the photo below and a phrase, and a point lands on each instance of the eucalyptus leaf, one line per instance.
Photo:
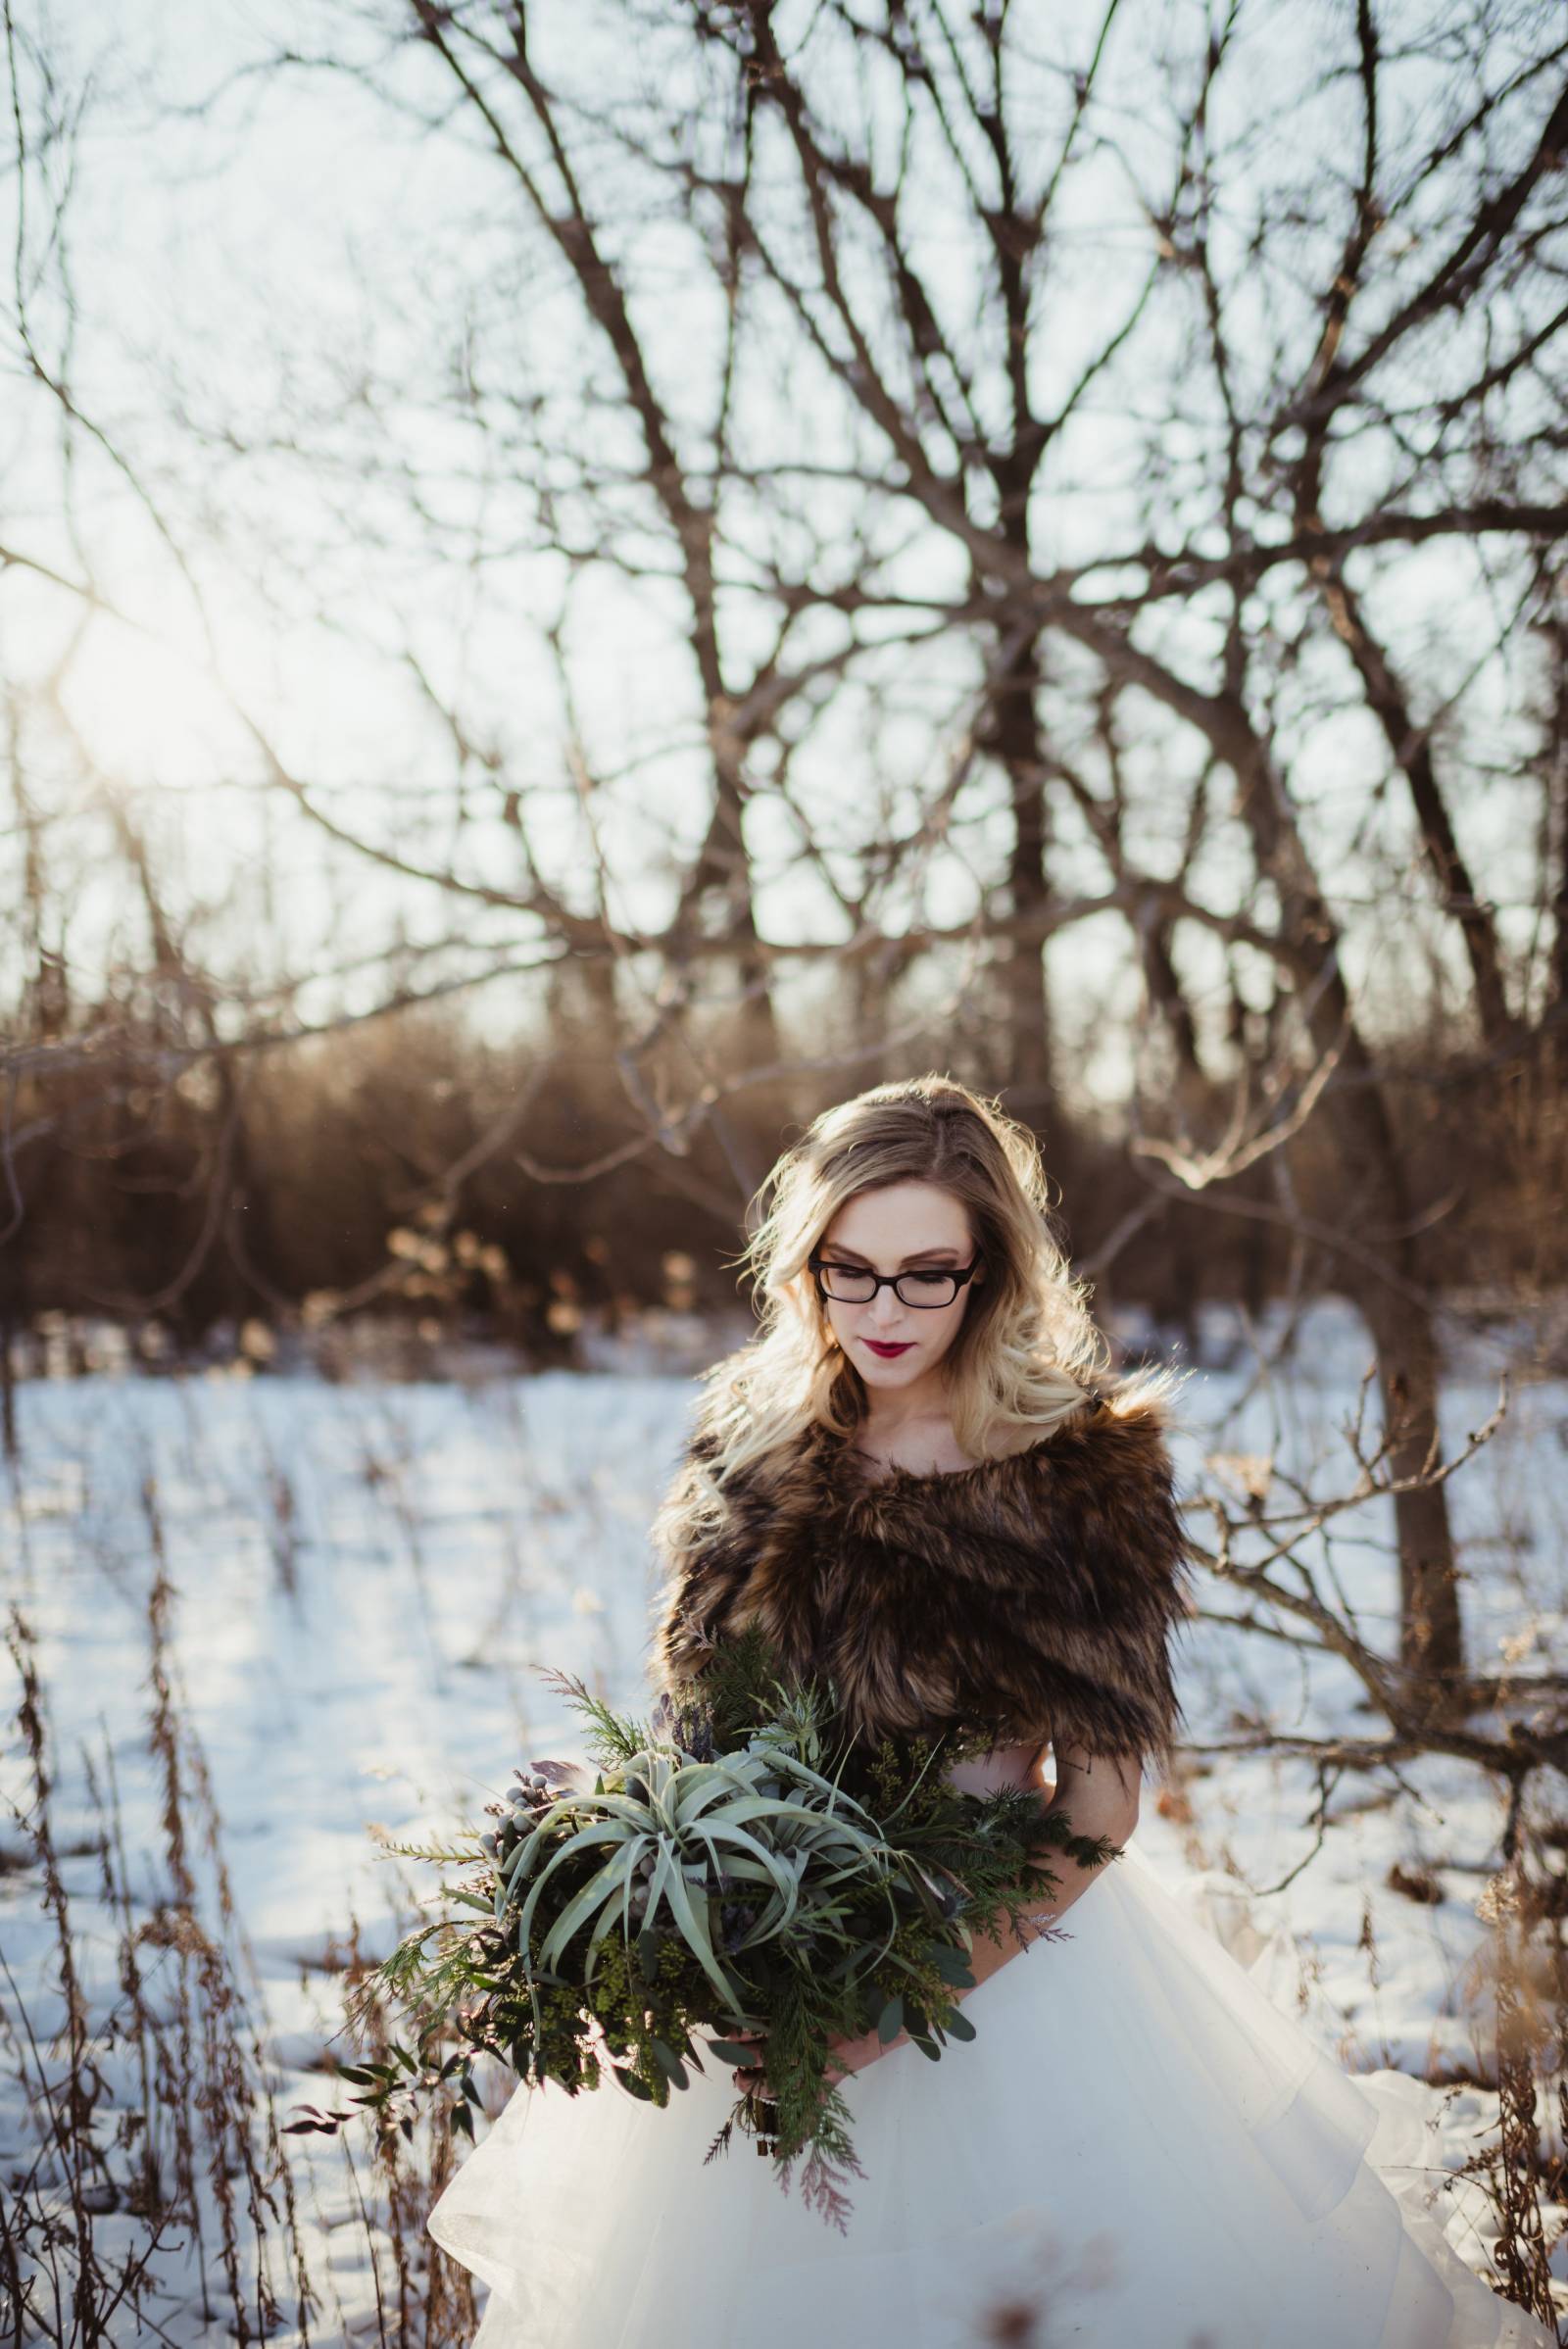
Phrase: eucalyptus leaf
(952, 1965)
(670, 2063)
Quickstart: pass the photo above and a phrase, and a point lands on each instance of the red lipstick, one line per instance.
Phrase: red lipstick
(881, 1347)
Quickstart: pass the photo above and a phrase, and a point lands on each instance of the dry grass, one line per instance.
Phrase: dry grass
(1521, 2166)
(434, 2294)
(159, 2194)
(149, 2104)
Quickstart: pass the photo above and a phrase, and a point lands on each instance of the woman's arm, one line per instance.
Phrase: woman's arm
(1100, 1794)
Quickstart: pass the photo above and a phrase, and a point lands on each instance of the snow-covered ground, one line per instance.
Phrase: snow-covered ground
(360, 1584)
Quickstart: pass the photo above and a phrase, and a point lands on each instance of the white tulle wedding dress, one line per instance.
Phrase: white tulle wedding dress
(1139, 2150)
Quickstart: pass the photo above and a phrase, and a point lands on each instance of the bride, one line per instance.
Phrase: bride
(918, 1478)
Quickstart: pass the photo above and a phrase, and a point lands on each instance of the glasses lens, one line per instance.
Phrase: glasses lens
(849, 1286)
(928, 1288)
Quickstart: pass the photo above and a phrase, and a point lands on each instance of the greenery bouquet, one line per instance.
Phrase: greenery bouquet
(736, 1863)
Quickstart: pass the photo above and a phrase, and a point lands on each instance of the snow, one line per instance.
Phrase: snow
(361, 1585)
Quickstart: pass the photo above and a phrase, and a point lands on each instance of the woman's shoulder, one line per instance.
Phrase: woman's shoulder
(1125, 1418)
(1096, 1493)
(1116, 1418)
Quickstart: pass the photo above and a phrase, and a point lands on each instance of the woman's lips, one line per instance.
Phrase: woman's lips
(880, 1346)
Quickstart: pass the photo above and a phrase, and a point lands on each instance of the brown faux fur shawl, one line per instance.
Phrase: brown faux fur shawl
(1032, 1596)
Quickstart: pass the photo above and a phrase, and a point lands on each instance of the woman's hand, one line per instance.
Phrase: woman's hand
(749, 2078)
(846, 2057)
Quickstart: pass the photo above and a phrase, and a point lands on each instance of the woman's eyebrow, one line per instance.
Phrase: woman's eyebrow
(850, 1254)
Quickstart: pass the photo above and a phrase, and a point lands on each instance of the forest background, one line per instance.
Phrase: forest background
(583, 581)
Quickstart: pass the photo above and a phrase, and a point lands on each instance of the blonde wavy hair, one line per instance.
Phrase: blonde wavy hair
(1027, 1348)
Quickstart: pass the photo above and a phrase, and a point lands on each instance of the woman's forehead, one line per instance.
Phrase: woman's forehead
(910, 1217)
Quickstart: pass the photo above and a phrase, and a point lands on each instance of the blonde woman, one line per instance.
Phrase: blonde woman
(922, 1479)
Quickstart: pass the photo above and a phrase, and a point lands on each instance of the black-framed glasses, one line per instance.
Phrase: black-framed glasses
(856, 1284)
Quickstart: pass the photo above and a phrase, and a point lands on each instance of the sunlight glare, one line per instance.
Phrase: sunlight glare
(148, 714)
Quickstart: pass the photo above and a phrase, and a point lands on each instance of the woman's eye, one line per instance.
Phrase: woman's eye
(932, 1280)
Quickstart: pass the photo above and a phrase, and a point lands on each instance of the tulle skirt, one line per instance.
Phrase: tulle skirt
(1139, 2150)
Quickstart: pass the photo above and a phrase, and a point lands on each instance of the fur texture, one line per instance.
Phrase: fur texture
(1032, 1595)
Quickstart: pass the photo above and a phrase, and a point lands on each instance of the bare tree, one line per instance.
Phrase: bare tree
(1092, 487)
(896, 206)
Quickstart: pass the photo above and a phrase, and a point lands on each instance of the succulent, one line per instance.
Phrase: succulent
(651, 1837)
(735, 1920)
